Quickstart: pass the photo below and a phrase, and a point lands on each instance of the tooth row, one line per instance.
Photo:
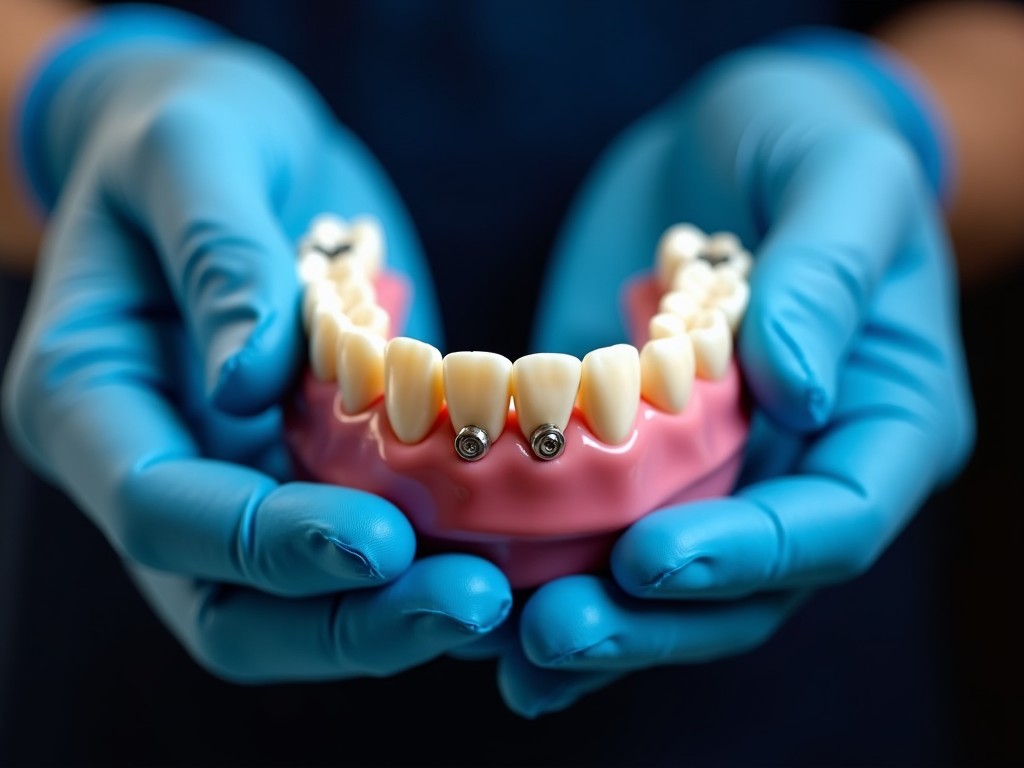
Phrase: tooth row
(337, 263)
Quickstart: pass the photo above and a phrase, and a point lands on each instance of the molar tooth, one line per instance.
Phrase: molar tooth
(367, 239)
(413, 389)
(477, 387)
(666, 324)
(327, 324)
(610, 391)
(680, 244)
(328, 232)
(712, 343)
(360, 368)
(371, 317)
(696, 279)
(347, 267)
(680, 304)
(730, 294)
(667, 368)
(319, 293)
(312, 265)
(544, 388)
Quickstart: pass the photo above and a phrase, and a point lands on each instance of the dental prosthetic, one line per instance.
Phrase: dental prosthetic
(537, 463)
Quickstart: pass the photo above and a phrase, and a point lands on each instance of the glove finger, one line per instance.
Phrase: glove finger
(839, 211)
(587, 623)
(531, 691)
(240, 634)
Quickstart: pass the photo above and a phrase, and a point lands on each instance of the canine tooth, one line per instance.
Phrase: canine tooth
(328, 323)
(680, 244)
(665, 324)
(360, 368)
(544, 388)
(730, 294)
(712, 343)
(477, 387)
(328, 232)
(667, 368)
(680, 304)
(371, 317)
(368, 243)
(345, 268)
(312, 266)
(610, 391)
(316, 294)
(356, 291)
(413, 388)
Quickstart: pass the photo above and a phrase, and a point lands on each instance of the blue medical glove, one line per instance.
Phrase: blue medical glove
(164, 327)
(819, 153)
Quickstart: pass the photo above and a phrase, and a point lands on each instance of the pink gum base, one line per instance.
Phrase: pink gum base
(536, 520)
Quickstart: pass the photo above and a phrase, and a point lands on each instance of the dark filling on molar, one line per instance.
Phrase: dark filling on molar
(335, 251)
(714, 259)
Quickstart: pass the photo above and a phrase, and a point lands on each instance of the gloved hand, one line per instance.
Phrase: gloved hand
(164, 327)
(819, 153)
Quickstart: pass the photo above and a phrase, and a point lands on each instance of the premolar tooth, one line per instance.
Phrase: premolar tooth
(666, 324)
(360, 367)
(368, 243)
(413, 389)
(319, 293)
(371, 317)
(667, 367)
(356, 291)
(730, 294)
(327, 324)
(680, 244)
(680, 304)
(544, 388)
(345, 268)
(696, 279)
(712, 343)
(477, 387)
(610, 391)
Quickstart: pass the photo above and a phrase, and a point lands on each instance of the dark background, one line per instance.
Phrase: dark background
(917, 662)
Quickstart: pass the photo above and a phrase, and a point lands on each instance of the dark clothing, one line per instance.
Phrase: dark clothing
(486, 115)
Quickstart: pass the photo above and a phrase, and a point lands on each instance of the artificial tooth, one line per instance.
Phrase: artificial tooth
(681, 244)
(328, 233)
(667, 368)
(312, 266)
(477, 387)
(316, 294)
(360, 367)
(696, 279)
(371, 317)
(544, 388)
(327, 324)
(666, 324)
(730, 294)
(610, 391)
(368, 243)
(413, 388)
(345, 268)
(712, 343)
(680, 304)
(356, 291)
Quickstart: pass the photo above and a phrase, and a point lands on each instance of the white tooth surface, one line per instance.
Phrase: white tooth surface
(327, 324)
(680, 304)
(371, 317)
(316, 294)
(667, 368)
(666, 324)
(328, 231)
(356, 291)
(347, 267)
(712, 343)
(740, 262)
(544, 388)
(610, 391)
(368, 243)
(730, 294)
(679, 245)
(721, 245)
(312, 266)
(360, 369)
(477, 387)
(696, 279)
(413, 388)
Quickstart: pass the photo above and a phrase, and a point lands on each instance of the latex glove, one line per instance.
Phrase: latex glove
(818, 153)
(164, 326)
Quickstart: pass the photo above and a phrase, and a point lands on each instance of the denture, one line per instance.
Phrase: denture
(536, 464)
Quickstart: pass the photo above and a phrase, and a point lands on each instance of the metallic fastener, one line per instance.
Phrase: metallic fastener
(472, 443)
(547, 442)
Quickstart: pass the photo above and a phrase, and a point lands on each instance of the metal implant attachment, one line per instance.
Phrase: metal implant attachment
(547, 442)
(472, 443)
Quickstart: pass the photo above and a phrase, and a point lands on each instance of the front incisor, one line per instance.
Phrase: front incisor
(610, 392)
(544, 388)
(477, 387)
